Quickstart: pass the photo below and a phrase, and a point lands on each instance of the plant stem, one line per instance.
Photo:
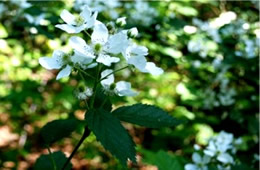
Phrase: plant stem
(95, 87)
(79, 69)
(87, 33)
(84, 136)
(114, 72)
(52, 160)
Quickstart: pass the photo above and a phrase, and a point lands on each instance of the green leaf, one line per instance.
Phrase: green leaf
(111, 134)
(47, 162)
(102, 100)
(145, 115)
(58, 129)
(163, 160)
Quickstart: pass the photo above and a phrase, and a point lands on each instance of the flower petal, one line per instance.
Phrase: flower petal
(107, 60)
(191, 167)
(86, 12)
(225, 158)
(81, 47)
(138, 61)
(67, 17)
(124, 89)
(70, 29)
(117, 43)
(54, 62)
(196, 158)
(108, 80)
(64, 72)
(153, 69)
(100, 33)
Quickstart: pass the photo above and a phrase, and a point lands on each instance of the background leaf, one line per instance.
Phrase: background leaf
(58, 129)
(44, 162)
(145, 115)
(111, 134)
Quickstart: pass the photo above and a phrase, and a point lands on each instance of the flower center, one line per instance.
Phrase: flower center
(79, 20)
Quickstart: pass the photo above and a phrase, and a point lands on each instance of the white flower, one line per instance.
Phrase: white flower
(199, 162)
(106, 44)
(74, 24)
(85, 94)
(36, 20)
(57, 61)
(121, 88)
(135, 55)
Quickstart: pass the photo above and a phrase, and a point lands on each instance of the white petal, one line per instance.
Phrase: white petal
(191, 167)
(210, 153)
(206, 159)
(151, 68)
(196, 158)
(86, 12)
(100, 33)
(107, 60)
(117, 43)
(92, 65)
(54, 62)
(64, 72)
(225, 158)
(108, 80)
(70, 29)
(92, 20)
(138, 61)
(124, 89)
(80, 59)
(80, 46)
(135, 50)
(68, 17)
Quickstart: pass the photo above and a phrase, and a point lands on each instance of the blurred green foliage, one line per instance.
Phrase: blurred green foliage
(211, 80)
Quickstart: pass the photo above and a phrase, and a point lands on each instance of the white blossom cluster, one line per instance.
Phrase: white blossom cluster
(108, 6)
(226, 94)
(107, 45)
(219, 153)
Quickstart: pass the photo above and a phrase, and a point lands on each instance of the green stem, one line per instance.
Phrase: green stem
(114, 72)
(95, 86)
(87, 33)
(84, 136)
(79, 69)
(52, 160)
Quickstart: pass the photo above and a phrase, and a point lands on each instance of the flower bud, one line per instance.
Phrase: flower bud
(132, 33)
(121, 21)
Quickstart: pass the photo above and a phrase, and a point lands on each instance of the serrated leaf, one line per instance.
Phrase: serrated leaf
(145, 115)
(58, 129)
(45, 161)
(111, 134)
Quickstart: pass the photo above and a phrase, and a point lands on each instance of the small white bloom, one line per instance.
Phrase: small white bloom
(121, 88)
(200, 163)
(74, 24)
(85, 94)
(135, 55)
(36, 20)
(121, 21)
(133, 32)
(57, 61)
